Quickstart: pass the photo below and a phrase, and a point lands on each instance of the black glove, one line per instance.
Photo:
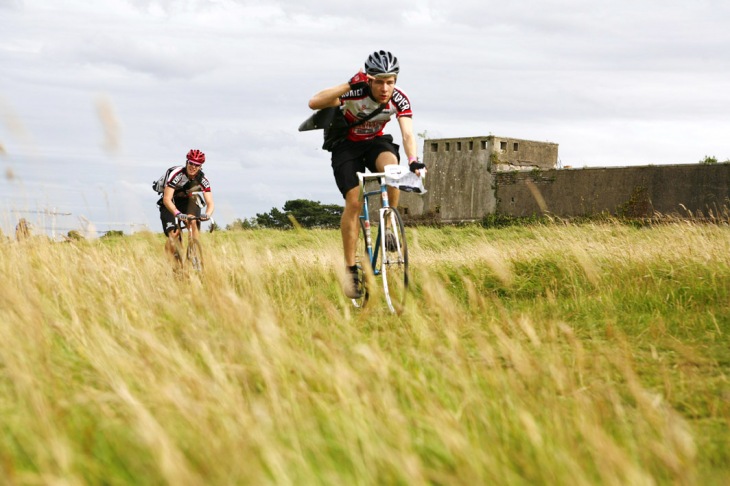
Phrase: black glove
(182, 217)
(416, 165)
(360, 80)
(204, 217)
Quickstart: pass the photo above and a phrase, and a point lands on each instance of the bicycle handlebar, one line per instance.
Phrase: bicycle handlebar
(390, 171)
(184, 222)
(394, 172)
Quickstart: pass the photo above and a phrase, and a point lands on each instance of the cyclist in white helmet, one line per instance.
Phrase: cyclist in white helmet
(365, 145)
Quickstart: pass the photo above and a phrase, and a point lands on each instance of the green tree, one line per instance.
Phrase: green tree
(75, 235)
(113, 234)
(273, 219)
(313, 214)
(308, 214)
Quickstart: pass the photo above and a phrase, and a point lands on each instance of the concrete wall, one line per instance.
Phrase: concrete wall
(470, 178)
(460, 178)
(513, 153)
(634, 191)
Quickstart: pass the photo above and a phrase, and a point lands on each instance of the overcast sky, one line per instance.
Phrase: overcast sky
(97, 98)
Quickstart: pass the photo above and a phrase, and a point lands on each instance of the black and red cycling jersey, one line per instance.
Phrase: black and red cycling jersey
(179, 180)
(358, 103)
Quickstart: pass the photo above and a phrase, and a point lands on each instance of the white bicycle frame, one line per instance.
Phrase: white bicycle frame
(394, 173)
(390, 176)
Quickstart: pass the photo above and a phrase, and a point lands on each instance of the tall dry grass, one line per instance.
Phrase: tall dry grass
(553, 355)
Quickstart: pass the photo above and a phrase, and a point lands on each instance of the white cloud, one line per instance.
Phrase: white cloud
(614, 83)
(10, 4)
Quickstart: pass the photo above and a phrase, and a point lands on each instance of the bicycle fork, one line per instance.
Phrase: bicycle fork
(388, 221)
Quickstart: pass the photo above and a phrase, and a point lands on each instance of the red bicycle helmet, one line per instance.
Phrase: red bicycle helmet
(196, 157)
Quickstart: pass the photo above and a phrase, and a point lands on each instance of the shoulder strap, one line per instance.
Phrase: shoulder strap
(373, 114)
(323, 118)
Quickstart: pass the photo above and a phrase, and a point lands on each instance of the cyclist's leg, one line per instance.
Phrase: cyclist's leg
(350, 224)
(388, 158)
(384, 152)
(350, 229)
(347, 161)
(170, 228)
(166, 218)
(172, 245)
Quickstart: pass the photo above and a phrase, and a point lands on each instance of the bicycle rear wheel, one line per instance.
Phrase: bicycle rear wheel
(394, 262)
(363, 266)
(195, 255)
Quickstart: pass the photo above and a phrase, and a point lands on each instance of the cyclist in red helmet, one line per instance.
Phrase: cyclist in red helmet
(178, 200)
(365, 145)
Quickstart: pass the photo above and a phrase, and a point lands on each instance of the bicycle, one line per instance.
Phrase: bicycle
(194, 251)
(388, 259)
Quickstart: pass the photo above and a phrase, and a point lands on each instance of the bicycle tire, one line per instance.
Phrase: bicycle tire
(363, 265)
(394, 261)
(195, 256)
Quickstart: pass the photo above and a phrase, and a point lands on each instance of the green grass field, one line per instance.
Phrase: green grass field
(550, 354)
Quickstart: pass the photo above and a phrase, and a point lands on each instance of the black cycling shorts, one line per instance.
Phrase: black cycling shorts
(185, 204)
(349, 158)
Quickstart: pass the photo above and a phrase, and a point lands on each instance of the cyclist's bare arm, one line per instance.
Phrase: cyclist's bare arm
(209, 204)
(329, 97)
(409, 141)
(167, 195)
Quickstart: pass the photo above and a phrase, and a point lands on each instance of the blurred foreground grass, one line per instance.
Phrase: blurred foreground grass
(531, 355)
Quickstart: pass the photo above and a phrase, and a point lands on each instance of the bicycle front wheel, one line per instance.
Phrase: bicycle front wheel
(195, 256)
(394, 262)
